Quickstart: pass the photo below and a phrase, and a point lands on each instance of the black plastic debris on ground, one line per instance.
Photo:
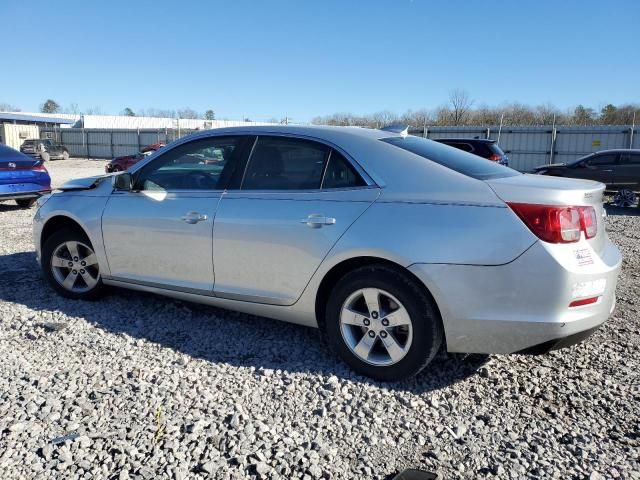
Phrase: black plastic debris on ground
(414, 474)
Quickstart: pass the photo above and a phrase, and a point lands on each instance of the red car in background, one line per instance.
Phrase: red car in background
(119, 164)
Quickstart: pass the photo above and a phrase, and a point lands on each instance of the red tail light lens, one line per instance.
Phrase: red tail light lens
(589, 221)
(39, 168)
(495, 157)
(557, 224)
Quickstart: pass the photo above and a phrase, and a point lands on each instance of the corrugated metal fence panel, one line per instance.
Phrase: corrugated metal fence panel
(73, 139)
(527, 147)
(575, 142)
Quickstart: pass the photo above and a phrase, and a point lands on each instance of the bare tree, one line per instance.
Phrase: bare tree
(209, 115)
(72, 108)
(7, 107)
(127, 112)
(460, 106)
(188, 113)
(95, 110)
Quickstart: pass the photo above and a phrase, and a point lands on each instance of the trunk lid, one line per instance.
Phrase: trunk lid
(13, 164)
(543, 190)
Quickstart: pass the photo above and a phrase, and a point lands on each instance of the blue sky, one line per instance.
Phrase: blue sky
(265, 59)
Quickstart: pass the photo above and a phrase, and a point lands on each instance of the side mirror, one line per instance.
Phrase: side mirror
(122, 182)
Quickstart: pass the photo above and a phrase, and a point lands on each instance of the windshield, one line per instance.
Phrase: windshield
(457, 160)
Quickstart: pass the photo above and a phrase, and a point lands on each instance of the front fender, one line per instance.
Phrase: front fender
(84, 210)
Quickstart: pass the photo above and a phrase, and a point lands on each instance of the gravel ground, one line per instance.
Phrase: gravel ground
(160, 388)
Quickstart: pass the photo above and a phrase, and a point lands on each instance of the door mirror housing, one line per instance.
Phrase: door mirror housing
(122, 182)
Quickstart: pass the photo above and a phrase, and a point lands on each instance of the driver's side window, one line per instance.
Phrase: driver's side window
(203, 164)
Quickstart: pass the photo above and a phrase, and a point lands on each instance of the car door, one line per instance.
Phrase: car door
(296, 198)
(160, 233)
(599, 167)
(627, 173)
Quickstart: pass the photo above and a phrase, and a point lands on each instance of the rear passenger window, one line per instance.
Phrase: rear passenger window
(631, 159)
(280, 163)
(341, 174)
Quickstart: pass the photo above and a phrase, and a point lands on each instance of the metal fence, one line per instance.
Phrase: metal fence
(109, 143)
(527, 147)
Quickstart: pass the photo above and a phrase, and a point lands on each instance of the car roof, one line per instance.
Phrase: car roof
(318, 131)
(617, 150)
(478, 140)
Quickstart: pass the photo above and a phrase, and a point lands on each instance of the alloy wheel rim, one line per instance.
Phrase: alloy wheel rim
(376, 327)
(75, 266)
(624, 198)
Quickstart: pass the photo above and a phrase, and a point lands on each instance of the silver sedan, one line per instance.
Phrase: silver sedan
(394, 245)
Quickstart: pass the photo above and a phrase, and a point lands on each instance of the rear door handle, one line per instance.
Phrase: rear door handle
(193, 217)
(317, 221)
(606, 170)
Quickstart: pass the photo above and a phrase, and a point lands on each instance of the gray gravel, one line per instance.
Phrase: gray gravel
(152, 387)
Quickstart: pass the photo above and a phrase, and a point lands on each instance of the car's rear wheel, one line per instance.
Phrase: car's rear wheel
(70, 266)
(382, 323)
(624, 198)
(26, 202)
(65, 155)
(45, 156)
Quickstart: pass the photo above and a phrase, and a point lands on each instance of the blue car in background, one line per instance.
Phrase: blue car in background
(22, 178)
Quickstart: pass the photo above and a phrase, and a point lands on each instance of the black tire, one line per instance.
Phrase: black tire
(26, 202)
(48, 249)
(425, 319)
(45, 156)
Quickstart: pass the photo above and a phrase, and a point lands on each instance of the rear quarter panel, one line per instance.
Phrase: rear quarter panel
(408, 233)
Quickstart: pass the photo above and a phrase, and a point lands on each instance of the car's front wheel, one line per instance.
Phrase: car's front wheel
(382, 323)
(65, 155)
(45, 156)
(70, 266)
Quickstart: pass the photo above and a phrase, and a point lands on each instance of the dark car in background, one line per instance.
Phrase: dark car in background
(44, 149)
(120, 164)
(482, 147)
(619, 170)
(22, 178)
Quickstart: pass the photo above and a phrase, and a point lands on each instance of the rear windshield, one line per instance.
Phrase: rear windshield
(457, 160)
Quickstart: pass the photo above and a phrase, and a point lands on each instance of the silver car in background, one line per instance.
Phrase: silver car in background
(393, 245)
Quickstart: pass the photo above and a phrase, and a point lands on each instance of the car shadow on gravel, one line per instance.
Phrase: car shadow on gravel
(209, 333)
(621, 211)
(9, 207)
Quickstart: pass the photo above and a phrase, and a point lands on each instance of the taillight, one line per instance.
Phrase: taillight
(557, 224)
(39, 168)
(495, 157)
(589, 221)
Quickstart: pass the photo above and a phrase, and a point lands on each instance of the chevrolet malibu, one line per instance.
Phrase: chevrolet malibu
(394, 246)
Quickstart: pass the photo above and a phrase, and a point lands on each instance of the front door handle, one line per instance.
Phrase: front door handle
(193, 217)
(606, 170)
(317, 221)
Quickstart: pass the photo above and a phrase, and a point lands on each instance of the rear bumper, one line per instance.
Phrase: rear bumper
(522, 306)
(23, 194)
